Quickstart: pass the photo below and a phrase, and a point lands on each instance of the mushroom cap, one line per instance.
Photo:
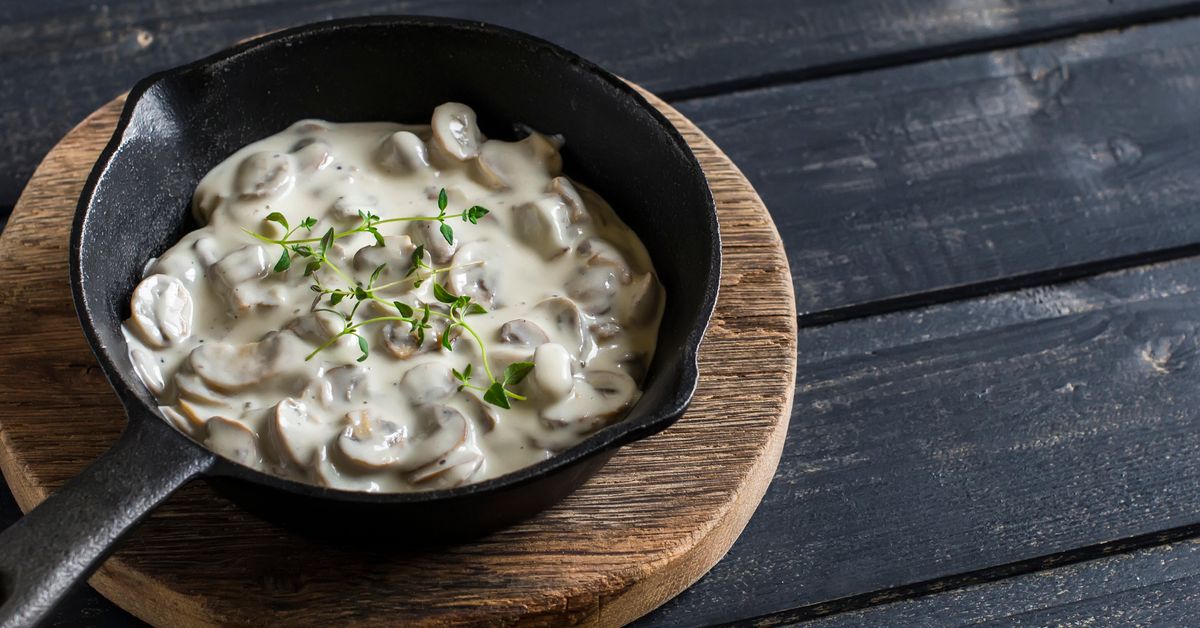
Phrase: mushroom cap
(264, 175)
(595, 288)
(346, 208)
(181, 422)
(403, 153)
(206, 199)
(597, 251)
(316, 327)
(596, 399)
(236, 278)
(455, 131)
(232, 439)
(563, 187)
(552, 370)
(454, 468)
(189, 387)
(234, 368)
(499, 162)
(428, 382)
(161, 311)
(473, 276)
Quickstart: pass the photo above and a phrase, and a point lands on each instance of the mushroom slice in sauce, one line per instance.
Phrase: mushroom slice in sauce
(544, 224)
(596, 398)
(234, 440)
(312, 154)
(340, 385)
(428, 382)
(347, 208)
(568, 324)
(452, 469)
(500, 162)
(595, 288)
(455, 131)
(472, 275)
(371, 442)
(161, 311)
(146, 367)
(552, 370)
(234, 368)
(523, 333)
(403, 153)
(176, 418)
(396, 254)
(264, 175)
(294, 434)
(601, 252)
(190, 387)
(566, 191)
(237, 278)
(426, 233)
(316, 327)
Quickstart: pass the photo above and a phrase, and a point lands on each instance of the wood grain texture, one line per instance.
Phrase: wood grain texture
(1155, 586)
(959, 177)
(60, 60)
(655, 519)
(970, 436)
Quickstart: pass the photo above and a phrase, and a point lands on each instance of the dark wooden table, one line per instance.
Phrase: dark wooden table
(992, 212)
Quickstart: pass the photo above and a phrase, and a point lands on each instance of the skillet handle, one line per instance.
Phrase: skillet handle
(46, 552)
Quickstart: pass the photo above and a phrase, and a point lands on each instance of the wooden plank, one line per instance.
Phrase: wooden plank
(61, 60)
(958, 177)
(973, 435)
(1153, 586)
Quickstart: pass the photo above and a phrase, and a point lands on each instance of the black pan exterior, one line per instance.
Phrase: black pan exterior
(179, 124)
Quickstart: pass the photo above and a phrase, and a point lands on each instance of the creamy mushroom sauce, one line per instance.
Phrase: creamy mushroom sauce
(220, 339)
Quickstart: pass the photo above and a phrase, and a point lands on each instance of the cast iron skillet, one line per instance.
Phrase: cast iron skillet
(178, 124)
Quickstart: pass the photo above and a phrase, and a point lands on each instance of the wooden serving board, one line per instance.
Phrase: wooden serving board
(647, 526)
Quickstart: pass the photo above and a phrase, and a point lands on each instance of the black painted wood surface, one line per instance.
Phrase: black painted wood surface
(955, 455)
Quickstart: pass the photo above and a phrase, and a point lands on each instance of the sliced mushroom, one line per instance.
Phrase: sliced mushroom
(522, 332)
(339, 385)
(568, 324)
(455, 131)
(484, 414)
(161, 311)
(208, 250)
(595, 288)
(294, 434)
(552, 370)
(563, 187)
(264, 175)
(472, 275)
(403, 153)
(633, 365)
(316, 327)
(371, 442)
(195, 415)
(395, 255)
(605, 331)
(601, 252)
(498, 161)
(399, 340)
(181, 423)
(544, 224)
(190, 387)
(346, 208)
(429, 382)
(233, 368)
(427, 233)
(146, 367)
(232, 439)
(207, 198)
(639, 302)
(312, 154)
(453, 469)
(596, 399)
(327, 472)
(236, 278)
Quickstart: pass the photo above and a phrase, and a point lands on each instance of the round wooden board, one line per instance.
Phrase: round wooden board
(646, 527)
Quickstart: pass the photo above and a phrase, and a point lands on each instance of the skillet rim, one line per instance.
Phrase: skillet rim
(629, 429)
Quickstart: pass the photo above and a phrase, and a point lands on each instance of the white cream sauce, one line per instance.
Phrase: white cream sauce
(221, 339)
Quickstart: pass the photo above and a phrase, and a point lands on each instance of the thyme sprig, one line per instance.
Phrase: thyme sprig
(454, 309)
